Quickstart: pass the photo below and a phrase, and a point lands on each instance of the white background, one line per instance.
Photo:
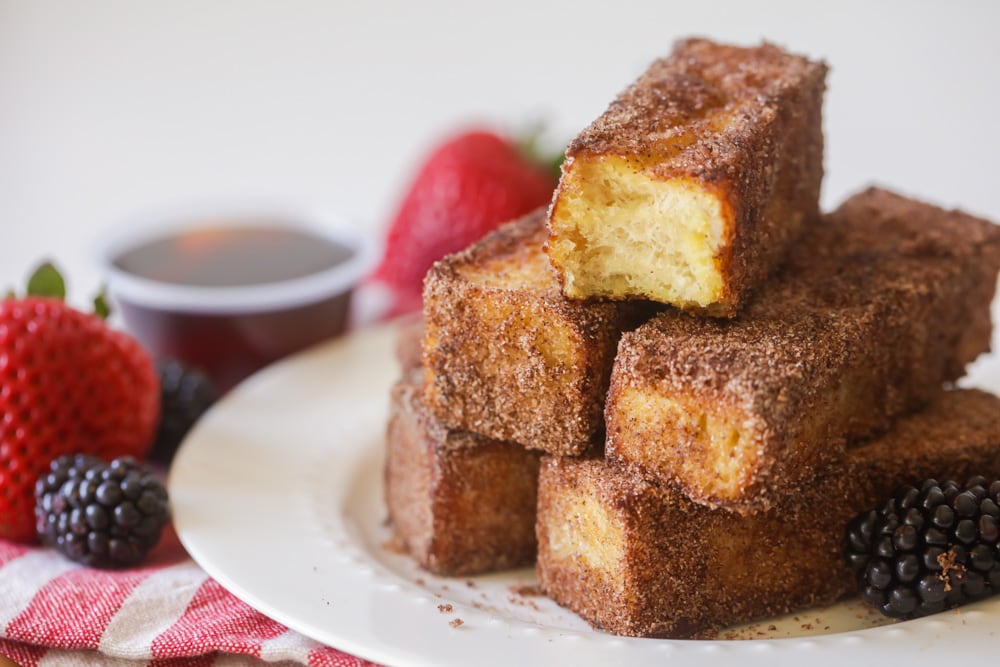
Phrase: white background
(109, 109)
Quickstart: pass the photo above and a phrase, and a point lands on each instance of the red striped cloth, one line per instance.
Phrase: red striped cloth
(167, 613)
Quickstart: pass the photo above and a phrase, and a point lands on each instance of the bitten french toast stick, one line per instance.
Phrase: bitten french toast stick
(694, 183)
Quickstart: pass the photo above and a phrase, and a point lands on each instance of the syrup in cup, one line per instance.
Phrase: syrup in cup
(230, 294)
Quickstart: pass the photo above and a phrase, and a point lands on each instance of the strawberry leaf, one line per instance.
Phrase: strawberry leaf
(101, 307)
(47, 281)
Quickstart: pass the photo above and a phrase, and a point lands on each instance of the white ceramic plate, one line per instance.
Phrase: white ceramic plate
(277, 494)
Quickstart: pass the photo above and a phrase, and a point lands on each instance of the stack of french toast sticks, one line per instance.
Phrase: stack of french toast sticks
(674, 388)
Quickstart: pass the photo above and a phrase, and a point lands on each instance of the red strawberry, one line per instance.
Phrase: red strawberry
(470, 185)
(68, 384)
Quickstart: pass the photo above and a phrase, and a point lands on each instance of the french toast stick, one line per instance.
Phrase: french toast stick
(459, 503)
(506, 355)
(693, 184)
(636, 558)
(878, 306)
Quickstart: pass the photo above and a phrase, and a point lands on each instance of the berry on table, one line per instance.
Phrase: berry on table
(101, 515)
(185, 394)
(68, 383)
(928, 548)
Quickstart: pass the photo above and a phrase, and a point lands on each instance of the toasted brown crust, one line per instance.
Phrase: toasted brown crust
(684, 569)
(458, 502)
(876, 309)
(744, 123)
(507, 356)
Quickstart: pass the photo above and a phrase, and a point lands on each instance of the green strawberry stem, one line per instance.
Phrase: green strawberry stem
(47, 281)
(101, 307)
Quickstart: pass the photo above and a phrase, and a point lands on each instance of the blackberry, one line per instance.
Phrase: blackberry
(928, 548)
(185, 394)
(102, 515)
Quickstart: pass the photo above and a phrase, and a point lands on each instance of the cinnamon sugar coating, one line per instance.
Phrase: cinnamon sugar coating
(458, 503)
(743, 126)
(635, 558)
(878, 306)
(507, 356)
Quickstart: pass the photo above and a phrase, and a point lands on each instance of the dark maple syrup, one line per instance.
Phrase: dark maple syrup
(233, 256)
(230, 340)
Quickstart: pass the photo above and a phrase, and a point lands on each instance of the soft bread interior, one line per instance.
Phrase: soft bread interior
(618, 232)
(586, 532)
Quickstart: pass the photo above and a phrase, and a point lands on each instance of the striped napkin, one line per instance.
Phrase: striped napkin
(166, 613)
